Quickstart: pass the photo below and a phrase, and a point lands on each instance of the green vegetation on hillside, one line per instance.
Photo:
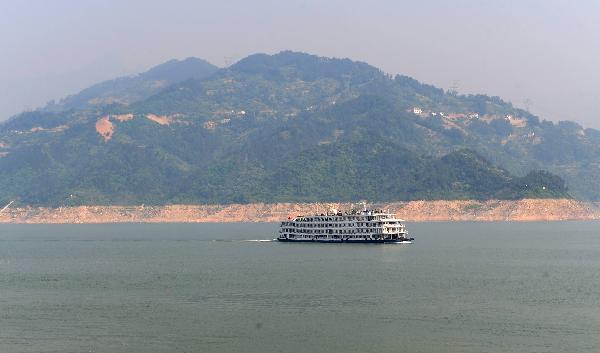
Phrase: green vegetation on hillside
(295, 127)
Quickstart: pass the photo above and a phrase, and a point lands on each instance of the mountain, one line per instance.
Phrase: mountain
(129, 89)
(389, 172)
(294, 127)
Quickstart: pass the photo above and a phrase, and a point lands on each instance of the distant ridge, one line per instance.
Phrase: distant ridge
(130, 89)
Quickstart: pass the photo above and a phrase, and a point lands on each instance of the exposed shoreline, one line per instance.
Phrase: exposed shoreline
(411, 211)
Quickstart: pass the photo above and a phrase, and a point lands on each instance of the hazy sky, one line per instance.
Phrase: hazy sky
(545, 51)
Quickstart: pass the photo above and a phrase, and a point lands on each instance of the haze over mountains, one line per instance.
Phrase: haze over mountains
(287, 127)
(126, 90)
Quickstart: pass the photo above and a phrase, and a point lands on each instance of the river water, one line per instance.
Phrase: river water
(460, 287)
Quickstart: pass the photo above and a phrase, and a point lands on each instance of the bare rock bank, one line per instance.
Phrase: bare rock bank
(411, 211)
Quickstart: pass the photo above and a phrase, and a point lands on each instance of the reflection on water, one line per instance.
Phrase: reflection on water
(461, 287)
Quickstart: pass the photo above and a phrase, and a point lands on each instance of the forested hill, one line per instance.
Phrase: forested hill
(293, 127)
(130, 89)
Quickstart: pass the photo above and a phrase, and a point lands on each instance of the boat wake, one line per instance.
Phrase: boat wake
(260, 240)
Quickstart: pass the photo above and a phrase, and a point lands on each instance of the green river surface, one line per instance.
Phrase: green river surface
(460, 287)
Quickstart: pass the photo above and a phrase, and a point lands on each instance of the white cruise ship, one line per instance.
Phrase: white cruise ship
(366, 226)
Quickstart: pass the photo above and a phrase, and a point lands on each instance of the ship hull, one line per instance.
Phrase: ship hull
(352, 241)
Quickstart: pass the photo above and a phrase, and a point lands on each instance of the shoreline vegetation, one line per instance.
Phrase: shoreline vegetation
(411, 211)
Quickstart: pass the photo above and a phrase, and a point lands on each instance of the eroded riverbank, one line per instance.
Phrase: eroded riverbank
(412, 211)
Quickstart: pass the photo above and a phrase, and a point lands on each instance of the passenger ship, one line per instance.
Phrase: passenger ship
(366, 226)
